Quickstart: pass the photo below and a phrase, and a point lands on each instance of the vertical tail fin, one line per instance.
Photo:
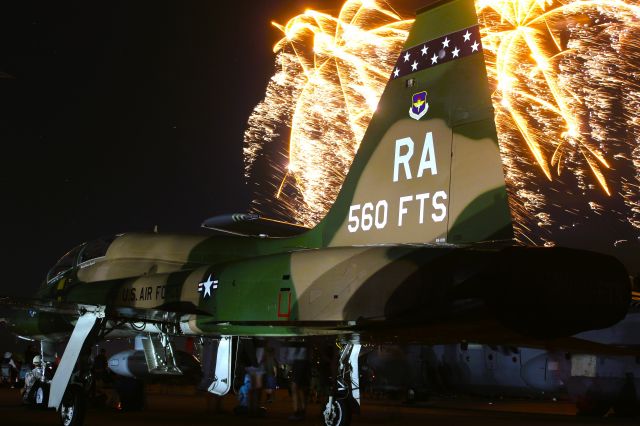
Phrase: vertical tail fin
(428, 168)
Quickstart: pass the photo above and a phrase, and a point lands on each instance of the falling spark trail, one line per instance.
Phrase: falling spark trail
(558, 73)
(332, 71)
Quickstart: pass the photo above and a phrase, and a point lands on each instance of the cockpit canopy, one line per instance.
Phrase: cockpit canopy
(80, 255)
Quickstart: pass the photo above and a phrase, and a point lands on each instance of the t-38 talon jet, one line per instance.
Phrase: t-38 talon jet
(418, 247)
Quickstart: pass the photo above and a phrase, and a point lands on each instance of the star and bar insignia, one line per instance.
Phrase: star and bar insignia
(205, 288)
(443, 49)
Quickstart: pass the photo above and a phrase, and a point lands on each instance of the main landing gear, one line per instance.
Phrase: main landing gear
(346, 390)
(73, 406)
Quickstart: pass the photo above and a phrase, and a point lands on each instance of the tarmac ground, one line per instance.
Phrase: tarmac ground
(182, 406)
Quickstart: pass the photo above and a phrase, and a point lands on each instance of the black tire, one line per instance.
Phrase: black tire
(73, 406)
(41, 395)
(340, 413)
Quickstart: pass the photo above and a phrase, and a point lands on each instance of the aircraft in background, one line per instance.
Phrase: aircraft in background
(418, 247)
(595, 382)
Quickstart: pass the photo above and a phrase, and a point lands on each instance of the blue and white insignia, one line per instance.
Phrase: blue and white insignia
(419, 105)
(206, 287)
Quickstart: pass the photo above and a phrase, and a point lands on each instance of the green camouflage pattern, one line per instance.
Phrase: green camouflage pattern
(409, 240)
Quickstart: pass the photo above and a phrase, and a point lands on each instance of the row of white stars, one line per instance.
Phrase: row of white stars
(434, 59)
(455, 53)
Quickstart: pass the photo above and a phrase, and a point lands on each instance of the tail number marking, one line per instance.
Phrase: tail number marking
(365, 216)
(369, 216)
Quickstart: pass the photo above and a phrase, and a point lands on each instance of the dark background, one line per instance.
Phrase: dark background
(120, 116)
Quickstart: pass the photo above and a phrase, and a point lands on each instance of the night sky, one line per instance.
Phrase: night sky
(121, 116)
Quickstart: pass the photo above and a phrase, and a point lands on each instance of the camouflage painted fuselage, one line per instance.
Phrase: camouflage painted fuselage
(420, 233)
(344, 289)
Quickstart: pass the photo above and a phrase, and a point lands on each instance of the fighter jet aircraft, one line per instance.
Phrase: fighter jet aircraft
(418, 247)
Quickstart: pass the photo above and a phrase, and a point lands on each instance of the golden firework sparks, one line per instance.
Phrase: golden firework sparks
(566, 98)
(565, 78)
(332, 73)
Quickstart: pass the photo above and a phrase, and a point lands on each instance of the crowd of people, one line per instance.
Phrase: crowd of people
(301, 367)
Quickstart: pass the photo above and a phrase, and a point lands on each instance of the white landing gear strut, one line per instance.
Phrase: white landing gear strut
(83, 327)
(222, 380)
(73, 376)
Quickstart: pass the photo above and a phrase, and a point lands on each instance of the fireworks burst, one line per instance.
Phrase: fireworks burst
(566, 97)
(332, 71)
(566, 102)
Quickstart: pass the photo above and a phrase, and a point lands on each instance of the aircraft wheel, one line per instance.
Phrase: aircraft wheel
(73, 406)
(337, 412)
(41, 395)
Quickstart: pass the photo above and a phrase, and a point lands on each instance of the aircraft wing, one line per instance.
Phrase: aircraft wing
(71, 309)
